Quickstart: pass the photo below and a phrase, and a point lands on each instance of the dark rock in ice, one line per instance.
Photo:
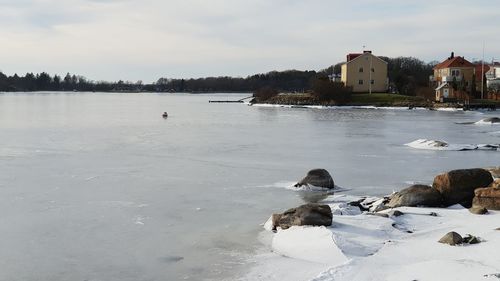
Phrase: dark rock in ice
(308, 214)
(171, 259)
(497, 275)
(491, 120)
(317, 177)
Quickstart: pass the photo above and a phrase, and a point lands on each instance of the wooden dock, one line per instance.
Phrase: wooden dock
(225, 101)
(230, 101)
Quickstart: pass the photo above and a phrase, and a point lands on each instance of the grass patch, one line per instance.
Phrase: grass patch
(381, 99)
(480, 101)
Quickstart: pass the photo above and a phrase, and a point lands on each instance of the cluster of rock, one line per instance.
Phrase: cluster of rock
(472, 188)
(468, 187)
(308, 214)
(452, 238)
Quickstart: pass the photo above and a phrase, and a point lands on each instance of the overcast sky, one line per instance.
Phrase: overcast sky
(148, 39)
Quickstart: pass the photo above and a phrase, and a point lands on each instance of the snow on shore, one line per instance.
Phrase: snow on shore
(337, 107)
(366, 247)
(442, 145)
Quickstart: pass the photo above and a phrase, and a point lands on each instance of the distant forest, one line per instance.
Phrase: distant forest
(406, 75)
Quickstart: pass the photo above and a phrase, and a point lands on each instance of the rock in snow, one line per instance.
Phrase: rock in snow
(457, 186)
(308, 214)
(317, 177)
(451, 238)
(416, 195)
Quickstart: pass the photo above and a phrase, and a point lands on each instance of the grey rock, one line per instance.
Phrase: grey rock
(317, 177)
(451, 238)
(491, 119)
(308, 214)
(457, 186)
(416, 195)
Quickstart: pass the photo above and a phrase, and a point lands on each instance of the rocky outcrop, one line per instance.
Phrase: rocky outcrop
(416, 195)
(458, 186)
(308, 214)
(451, 238)
(317, 177)
(488, 197)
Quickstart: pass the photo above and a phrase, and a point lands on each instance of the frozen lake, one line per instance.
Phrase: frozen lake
(101, 187)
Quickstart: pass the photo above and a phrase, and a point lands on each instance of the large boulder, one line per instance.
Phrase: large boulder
(416, 195)
(317, 177)
(458, 186)
(451, 238)
(308, 214)
(488, 198)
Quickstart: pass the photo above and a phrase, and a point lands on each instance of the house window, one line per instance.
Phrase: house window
(373, 81)
(360, 82)
(360, 69)
(373, 69)
(455, 72)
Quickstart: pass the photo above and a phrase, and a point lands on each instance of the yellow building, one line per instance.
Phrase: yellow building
(453, 78)
(365, 73)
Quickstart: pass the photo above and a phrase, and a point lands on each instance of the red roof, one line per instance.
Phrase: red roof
(350, 57)
(479, 69)
(454, 62)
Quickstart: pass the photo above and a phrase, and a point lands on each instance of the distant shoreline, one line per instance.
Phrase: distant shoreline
(375, 100)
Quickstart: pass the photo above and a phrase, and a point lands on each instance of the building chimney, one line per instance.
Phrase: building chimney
(367, 52)
(452, 55)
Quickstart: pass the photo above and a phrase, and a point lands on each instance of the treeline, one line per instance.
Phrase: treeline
(44, 82)
(289, 80)
(406, 75)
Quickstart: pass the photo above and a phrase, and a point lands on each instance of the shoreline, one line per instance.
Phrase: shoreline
(393, 107)
(398, 243)
(375, 100)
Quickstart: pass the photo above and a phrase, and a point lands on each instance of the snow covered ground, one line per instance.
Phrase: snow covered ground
(360, 247)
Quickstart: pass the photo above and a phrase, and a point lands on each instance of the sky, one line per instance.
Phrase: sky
(148, 39)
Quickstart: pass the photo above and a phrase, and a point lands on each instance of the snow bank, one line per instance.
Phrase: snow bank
(366, 247)
(337, 107)
(442, 145)
(313, 244)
